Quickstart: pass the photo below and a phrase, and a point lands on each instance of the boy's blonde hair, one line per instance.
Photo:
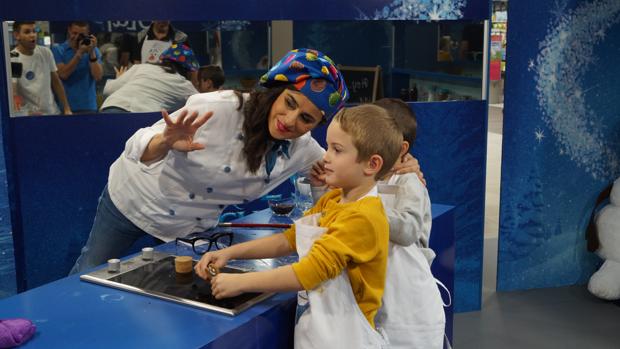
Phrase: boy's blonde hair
(373, 132)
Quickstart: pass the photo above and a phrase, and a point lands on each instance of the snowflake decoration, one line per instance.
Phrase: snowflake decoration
(564, 56)
(539, 134)
(233, 25)
(432, 10)
(531, 65)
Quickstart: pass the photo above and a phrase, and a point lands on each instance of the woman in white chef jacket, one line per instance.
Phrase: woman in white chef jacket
(222, 148)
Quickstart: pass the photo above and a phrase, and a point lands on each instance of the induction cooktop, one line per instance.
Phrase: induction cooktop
(157, 278)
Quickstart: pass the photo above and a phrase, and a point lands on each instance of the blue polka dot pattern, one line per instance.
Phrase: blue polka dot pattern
(313, 74)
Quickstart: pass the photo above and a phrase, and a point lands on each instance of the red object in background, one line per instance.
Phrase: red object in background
(495, 70)
(495, 65)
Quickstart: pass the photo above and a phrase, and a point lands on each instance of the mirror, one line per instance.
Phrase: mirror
(418, 61)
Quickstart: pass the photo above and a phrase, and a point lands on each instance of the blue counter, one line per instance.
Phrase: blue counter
(70, 313)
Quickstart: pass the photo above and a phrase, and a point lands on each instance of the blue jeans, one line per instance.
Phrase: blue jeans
(111, 236)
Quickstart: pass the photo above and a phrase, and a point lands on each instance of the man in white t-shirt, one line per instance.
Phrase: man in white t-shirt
(38, 75)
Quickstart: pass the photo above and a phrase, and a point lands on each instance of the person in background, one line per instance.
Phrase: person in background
(156, 39)
(342, 242)
(39, 74)
(152, 87)
(210, 78)
(79, 67)
(127, 49)
(109, 54)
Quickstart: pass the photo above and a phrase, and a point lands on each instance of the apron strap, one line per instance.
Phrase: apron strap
(441, 285)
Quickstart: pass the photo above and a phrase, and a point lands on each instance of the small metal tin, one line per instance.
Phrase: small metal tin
(114, 265)
(147, 253)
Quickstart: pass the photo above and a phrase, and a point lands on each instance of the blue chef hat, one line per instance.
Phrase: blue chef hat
(313, 74)
(181, 54)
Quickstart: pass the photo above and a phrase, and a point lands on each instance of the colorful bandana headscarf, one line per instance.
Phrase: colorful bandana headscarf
(182, 54)
(313, 74)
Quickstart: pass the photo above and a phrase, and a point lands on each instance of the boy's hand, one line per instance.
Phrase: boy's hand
(219, 258)
(120, 71)
(409, 164)
(317, 174)
(227, 285)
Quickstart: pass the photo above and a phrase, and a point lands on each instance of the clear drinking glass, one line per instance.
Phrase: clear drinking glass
(303, 193)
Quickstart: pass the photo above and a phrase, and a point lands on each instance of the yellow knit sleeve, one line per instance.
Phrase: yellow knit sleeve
(349, 239)
(289, 234)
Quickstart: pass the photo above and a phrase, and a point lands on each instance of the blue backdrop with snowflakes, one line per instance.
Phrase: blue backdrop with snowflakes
(192, 10)
(7, 263)
(561, 137)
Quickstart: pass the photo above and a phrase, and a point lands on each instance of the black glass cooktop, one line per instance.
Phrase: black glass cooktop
(160, 276)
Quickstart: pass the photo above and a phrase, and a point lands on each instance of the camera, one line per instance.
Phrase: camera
(16, 67)
(83, 39)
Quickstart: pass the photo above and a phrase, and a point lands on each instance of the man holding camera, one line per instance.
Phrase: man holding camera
(79, 66)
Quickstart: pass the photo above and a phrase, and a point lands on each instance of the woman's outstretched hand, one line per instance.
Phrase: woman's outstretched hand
(179, 134)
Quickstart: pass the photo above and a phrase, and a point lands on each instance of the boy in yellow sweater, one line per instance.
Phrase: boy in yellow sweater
(342, 241)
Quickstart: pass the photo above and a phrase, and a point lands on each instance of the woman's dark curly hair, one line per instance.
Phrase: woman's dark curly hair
(256, 136)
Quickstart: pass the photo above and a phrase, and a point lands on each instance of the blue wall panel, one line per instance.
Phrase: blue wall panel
(62, 165)
(7, 261)
(451, 148)
(561, 132)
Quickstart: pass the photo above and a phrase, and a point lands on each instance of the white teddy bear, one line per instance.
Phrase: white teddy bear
(605, 283)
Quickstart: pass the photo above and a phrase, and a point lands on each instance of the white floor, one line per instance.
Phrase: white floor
(491, 210)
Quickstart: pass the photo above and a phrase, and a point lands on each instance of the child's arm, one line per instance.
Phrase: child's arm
(350, 240)
(409, 219)
(268, 247)
(282, 279)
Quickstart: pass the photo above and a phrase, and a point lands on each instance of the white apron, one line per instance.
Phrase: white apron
(328, 316)
(152, 49)
(412, 312)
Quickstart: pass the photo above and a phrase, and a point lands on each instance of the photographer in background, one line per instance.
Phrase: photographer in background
(34, 72)
(79, 67)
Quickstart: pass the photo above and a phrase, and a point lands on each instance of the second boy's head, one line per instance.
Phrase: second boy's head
(210, 78)
(25, 35)
(405, 118)
(363, 143)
